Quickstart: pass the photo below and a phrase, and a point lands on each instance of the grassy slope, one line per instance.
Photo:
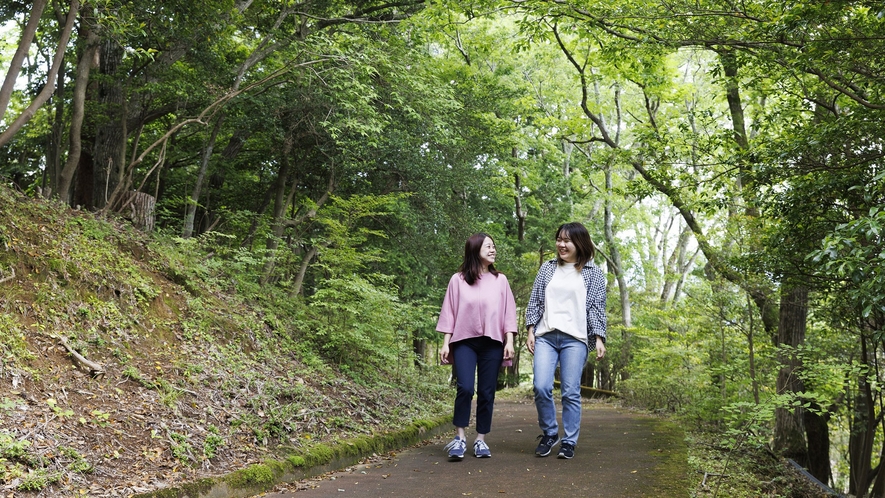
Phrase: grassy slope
(194, 382)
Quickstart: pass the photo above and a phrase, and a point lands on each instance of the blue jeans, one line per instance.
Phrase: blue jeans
(551, 348)
(479, 359)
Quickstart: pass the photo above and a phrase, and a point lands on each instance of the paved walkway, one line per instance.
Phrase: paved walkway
(619, 454)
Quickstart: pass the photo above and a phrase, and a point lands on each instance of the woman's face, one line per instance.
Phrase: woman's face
(566, 248)
(487, 252)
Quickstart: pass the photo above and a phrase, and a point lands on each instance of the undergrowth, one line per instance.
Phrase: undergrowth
(202, 369)
(725, 468)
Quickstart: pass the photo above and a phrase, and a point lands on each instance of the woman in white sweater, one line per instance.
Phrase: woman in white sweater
(565, 318)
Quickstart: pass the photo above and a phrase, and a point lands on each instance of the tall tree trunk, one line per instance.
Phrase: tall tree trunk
(674, 267)
(194, 201)
(109, 149)
(419, 348)
(879, 479)
(751, 349)
(520, 212)
(684, 266)
(729, 62)
(54, 145)
(588, 376)
(615, 253)
(78, 106)
(818, 432)
(279, 210)
(789, 431)
(302, 271)
(567, 150)
(863, 432)
(517, 197)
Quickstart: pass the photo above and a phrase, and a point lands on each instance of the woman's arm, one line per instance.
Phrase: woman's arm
(444, 353)
(597, 321)
(509, 349)
(530, 339)
(535, 308)
(600, 348)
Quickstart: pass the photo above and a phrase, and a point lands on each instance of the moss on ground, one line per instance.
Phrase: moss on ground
(671, 472)
(311, 461)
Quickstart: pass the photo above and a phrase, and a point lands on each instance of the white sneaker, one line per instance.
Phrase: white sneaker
(456, 448)
(481, 449)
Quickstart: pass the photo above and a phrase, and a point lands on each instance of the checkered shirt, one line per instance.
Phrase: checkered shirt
(594, 282)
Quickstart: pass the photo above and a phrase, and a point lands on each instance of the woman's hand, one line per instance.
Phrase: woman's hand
(530, 340)
(444, 354)
(600, 348)
(509, 350)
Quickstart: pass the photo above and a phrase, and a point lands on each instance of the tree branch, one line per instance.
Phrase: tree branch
(15, 65)
(49, 87)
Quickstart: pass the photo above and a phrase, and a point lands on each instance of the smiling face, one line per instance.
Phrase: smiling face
(487, 253)
(566, 248)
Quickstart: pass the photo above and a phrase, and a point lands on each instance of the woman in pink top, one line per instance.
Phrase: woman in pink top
(478, 318)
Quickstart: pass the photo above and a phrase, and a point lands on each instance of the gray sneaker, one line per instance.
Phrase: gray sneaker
(566, 450)
(546, 445)
(456, 448)
(481, 449)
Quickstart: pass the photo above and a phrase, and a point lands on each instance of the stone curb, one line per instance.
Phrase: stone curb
(316, 460)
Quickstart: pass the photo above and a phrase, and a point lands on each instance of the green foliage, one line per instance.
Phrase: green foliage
(14, 352)
(35, 472)
(338, 195)
(132, 373)
(169, 393)
(667, 376)
(37, 480)
(355, 322)
(346, 234)
(181, 448)
(212, 443)
(7, 404)
(853, 254)
(99, 418)
(12, 449)
(78, 463)
(59, 411)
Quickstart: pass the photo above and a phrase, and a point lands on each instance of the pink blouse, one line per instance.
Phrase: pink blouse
(486, 308)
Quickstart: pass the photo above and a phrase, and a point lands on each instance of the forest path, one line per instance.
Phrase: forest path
(619, 454)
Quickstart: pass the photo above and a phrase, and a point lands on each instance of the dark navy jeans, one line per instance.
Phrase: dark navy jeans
(478, 360)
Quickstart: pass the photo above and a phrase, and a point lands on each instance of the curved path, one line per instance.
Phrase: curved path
(619, 454)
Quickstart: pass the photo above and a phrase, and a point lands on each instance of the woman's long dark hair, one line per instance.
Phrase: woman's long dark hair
(471, 267)
(581, 239)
